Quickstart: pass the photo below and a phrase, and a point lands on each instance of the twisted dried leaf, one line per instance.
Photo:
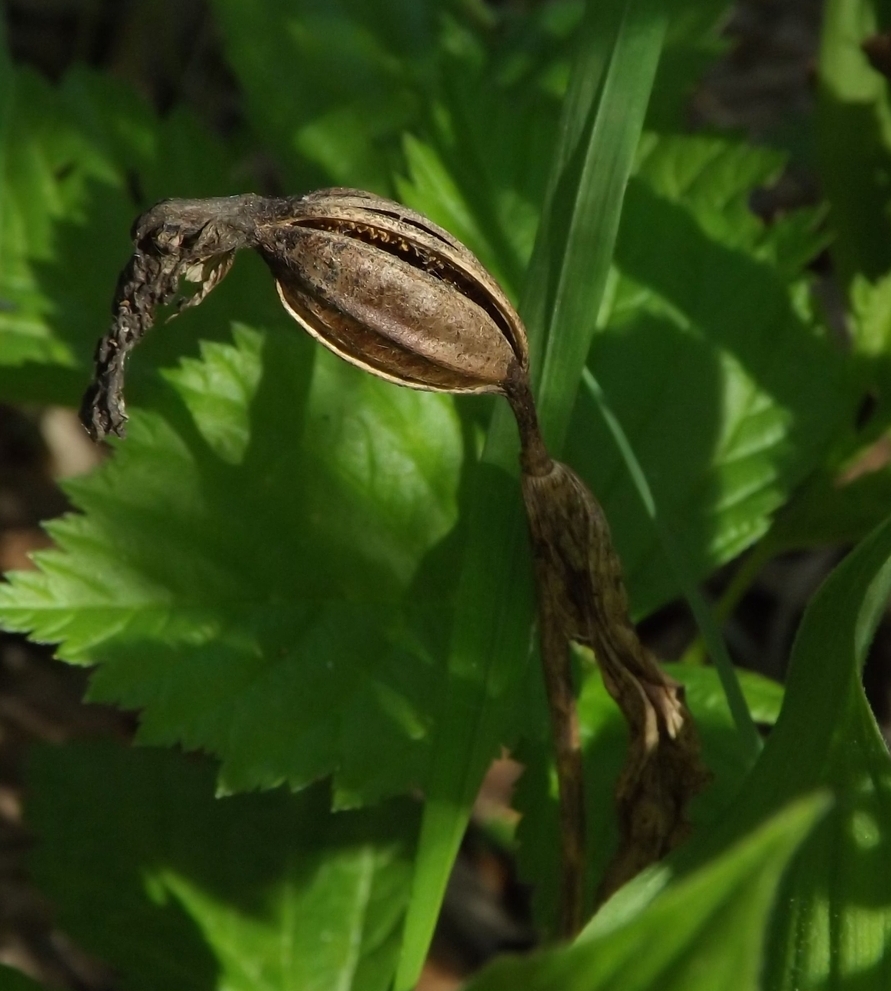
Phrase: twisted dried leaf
(581, 592)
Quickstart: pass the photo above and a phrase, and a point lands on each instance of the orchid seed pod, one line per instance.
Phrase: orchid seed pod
(375, 282)
(393, 294)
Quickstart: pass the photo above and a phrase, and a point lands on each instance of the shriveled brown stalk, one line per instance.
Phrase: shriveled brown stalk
(389, 291)
(582, 598)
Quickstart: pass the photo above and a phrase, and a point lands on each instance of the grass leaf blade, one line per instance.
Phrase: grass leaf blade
(603, 118)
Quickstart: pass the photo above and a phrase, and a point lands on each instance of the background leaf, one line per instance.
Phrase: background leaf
(470, 168)
(238, 573)
(704, 932)
(15, 980)
(725, 385)
(850, 493)
(854, 138)
(77, 163)
(175, 888)
(831, 924)
(331, 86)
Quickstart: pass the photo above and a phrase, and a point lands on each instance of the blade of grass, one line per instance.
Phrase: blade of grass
(574, 248)
(677, 558)
(739, 584)
(603, 116)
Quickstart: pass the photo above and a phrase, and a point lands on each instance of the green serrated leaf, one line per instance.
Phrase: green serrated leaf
(238, 572)
(219, 390)
(706, 931)
(725, 387)
(175, 888)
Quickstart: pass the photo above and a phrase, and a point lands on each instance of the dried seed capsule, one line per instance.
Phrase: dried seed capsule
(393, 294)
(376, 283)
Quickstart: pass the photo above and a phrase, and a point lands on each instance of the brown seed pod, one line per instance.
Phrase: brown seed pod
(393, 294)
(375, 282)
